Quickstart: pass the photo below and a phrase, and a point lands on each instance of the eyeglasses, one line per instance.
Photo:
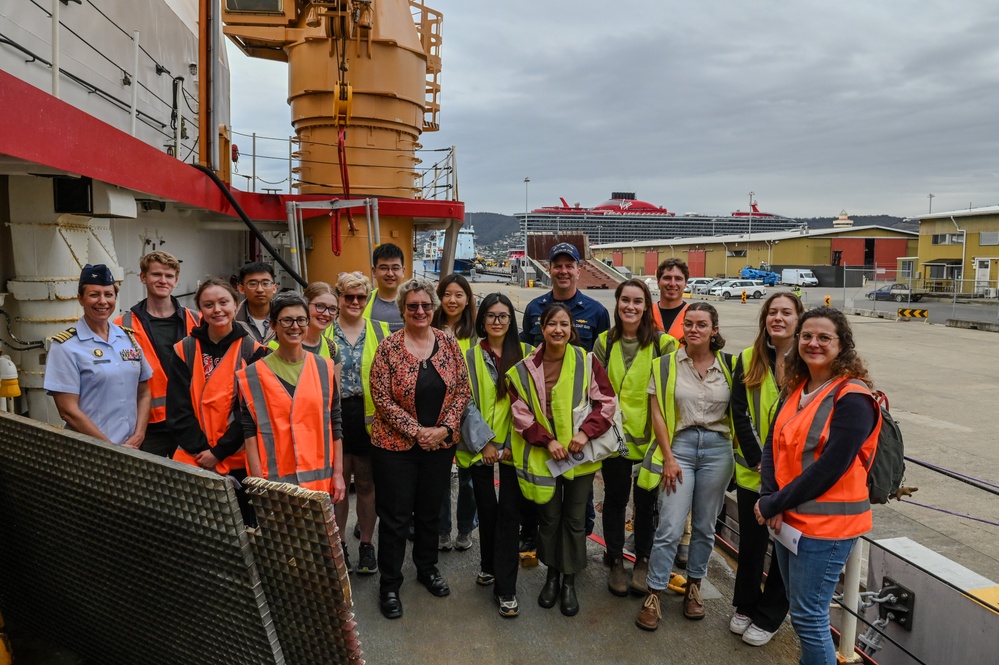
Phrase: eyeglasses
(415, 306)
(381, 267)
(497, 318)
(254, 284)
(822, 339)
(322, 309)
(355, 297)
(700, 325)
(288, 322)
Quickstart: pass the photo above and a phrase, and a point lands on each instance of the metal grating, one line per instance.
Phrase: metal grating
(297, 546)
(127, 558)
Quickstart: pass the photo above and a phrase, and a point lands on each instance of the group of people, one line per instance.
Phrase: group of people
(346, 384)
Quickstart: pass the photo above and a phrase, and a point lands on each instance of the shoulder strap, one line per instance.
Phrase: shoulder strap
(189, 345)
(64, 336)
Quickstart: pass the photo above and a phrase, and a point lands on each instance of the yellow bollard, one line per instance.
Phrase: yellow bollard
(828, 301)
(743, 297)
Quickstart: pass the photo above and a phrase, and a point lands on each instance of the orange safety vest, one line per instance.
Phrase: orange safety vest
(214, 398)
(844, 511)
(158, 382)
(675, 330)
(294, 436)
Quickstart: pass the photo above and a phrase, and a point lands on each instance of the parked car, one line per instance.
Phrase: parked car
(898, 292)
(735, 287)
(705, 289)
(696, 281)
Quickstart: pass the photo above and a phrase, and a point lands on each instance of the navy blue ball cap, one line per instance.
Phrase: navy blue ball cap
(564, 248)
(99, 274)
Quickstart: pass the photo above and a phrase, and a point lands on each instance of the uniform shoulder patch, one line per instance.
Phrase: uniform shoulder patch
(64, 336)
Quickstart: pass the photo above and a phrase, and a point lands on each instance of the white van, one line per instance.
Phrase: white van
(798, 277)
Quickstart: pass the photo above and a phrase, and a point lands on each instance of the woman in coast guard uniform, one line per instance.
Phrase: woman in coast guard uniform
(95, 371)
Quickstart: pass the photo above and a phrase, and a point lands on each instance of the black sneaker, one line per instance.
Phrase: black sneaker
(346, 559)
(367, 564)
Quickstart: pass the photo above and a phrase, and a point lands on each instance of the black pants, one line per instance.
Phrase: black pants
(159, 441)
(562, 536)
(498, 524)
(409, 484)
(617, 490)
(767, 607)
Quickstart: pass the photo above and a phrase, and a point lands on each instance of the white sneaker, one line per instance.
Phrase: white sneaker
(739, 623)
(756, 636)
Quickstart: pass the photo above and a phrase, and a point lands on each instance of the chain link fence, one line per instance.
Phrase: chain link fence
(888, 290)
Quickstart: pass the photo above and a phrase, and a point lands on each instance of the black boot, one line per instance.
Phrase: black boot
(569, 603)
(549, 592)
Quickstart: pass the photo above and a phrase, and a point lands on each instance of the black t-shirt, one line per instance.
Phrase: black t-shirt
(164, 335)
(669, 315)
(430, 392)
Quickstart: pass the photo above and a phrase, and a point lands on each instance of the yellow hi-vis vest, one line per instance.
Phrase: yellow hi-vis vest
(375, 333)
(572, 387)
(631, 384)
(762, 404)
(664, 373)
(495, 412)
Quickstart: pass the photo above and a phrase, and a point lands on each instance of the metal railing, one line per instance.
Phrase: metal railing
(886, 290)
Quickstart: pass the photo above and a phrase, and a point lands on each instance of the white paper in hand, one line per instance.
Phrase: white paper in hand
(788, 537)
(558, 467)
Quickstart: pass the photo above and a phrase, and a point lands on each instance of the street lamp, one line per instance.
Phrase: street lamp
(527, 184)
(931, 197)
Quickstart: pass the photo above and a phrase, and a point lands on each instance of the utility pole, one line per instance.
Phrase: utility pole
(527, 184)
(930, 197)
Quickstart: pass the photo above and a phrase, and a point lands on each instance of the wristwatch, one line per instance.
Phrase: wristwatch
(450, 435)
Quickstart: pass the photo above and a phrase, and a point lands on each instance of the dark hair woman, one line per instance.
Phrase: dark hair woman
(692, 390)
(627, 351)
(829, 418)
(755, 379)
(488, 362)
(547, 387)
(456, 315)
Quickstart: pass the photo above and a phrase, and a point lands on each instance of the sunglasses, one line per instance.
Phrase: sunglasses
(416, 306)
(354, 297)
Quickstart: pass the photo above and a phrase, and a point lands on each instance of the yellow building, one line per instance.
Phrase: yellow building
(724, 256)
(957, 250)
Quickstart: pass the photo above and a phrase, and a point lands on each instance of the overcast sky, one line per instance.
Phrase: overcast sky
(816, 106)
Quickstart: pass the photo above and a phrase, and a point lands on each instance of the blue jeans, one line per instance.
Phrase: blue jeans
(468, 517)
(707, 462)
(810, 578)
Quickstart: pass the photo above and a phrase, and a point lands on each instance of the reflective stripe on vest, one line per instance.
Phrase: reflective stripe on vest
(158, 381)
(290, 442)
(536, 481)
(844, 510)
(377, 330)
(762, 402)
(214, 399)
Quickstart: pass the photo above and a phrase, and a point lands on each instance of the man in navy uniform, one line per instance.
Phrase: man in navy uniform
(589, 317)
(96, 372)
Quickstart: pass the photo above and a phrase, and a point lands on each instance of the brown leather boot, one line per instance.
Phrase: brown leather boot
(639, 574)
(693, 606)
(648, 617)
(618, 578)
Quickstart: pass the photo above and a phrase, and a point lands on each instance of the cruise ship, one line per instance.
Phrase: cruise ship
(624, 218)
